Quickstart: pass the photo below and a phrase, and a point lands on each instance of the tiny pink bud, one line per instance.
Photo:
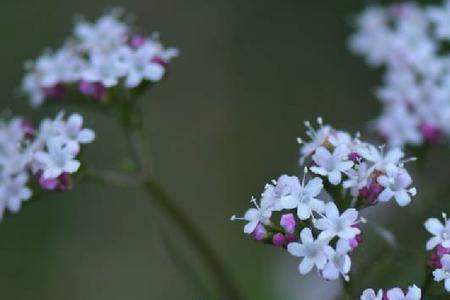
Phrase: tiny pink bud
(95, 90)
(259, 233)
(136, 41)
(430, 132)
(57, 91)
(354, 157)
(278, 240)
(290, 238)
(48, 184)
(287, 221)
(441, 250)
(159, 60)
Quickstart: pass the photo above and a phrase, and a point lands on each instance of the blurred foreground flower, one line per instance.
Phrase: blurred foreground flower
(411, 43)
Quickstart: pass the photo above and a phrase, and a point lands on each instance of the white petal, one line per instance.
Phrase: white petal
(305, 266)
(434, 226)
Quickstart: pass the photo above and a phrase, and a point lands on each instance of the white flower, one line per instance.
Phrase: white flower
(440, 231)
(58, 159)
(106, 34)
(331, 164)
(441, 19)
(357, 178)
(138, 64)
(286, 188)
(31, 86)
(369, 294)
(317, 140)
(73, 131)
(399, 126)
(339, 262)
(333, 224)
(254, 216)
(103, 68)
(305, 199)
(414, 293)
(396, 184)
(13, 191)
(444, 272)
(312, 251)
(379, 158)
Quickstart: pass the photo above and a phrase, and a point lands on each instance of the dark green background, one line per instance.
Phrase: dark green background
(221, 125)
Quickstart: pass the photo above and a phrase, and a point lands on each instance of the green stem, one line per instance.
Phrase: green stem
(348, 290)
(132, 127)
(426, 285)
(207, 253)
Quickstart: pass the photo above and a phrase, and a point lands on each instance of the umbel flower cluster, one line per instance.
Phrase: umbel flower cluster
(38, 157)
(96, 58)
(317, 217)
(411, 43)
(439, 245)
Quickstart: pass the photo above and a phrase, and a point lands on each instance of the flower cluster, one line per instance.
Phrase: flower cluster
(413, 293)
(47, 154)
(439, 244)
(318, 215)
(411, 43)
(97, 57)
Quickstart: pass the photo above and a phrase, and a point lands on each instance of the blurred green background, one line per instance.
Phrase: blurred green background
(222, 124)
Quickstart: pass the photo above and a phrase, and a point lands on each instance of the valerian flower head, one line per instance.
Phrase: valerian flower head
(409, 41)
(47, 154)
(338, 170)
(96, 58)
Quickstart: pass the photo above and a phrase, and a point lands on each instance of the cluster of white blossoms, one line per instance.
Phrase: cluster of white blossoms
(318, 217)
(439, 244)
(411, 43)
(97, 57)
(47, 154)
(413, 293)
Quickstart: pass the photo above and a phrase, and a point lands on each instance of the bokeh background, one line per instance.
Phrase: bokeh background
(222, 124)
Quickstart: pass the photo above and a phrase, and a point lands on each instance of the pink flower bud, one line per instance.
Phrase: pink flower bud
(430, 132)
(95, 90)
(57, 91)
(288, 223)
(441, 250)
(159, 60)
(136, 41)
(354, 157)
(278, 240)
(290, 238)
(259, 233)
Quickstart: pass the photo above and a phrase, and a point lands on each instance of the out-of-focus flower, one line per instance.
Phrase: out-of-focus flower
(47, 154)
(410, 42)
(96, 58)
